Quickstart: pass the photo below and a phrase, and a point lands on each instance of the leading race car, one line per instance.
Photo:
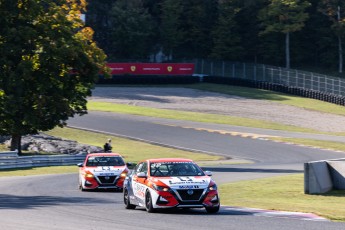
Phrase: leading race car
(102, 171)
(170, 183)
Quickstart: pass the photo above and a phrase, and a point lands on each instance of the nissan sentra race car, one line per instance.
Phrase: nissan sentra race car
(170, 183)
(102, 171)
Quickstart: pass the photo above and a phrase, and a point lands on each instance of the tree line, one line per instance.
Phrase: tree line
(279, 32)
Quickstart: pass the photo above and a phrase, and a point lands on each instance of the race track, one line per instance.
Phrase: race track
(54, 202)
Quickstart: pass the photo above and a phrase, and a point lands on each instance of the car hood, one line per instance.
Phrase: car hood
(183, 182)
(106, 170)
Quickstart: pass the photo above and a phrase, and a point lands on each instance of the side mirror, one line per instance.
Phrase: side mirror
(208, 173)
(141, 175)
(80, 164)
(131, 165)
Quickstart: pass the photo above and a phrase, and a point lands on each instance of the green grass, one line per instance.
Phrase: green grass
(283, 193)
(4, 148)
(191, 116)
(39, 171)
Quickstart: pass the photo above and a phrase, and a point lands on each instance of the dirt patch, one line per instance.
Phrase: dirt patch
(208, 102)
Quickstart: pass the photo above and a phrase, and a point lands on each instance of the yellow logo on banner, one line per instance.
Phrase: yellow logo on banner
(133, 68)
(169, 68)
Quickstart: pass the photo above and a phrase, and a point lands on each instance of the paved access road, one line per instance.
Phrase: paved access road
(54, 202)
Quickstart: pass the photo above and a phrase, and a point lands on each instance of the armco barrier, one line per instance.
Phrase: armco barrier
(40, 161)
(9, 154)
(323, 176)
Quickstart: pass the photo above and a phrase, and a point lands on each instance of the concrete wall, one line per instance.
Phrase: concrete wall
(317, 178)
(323, 176)
(337, 171)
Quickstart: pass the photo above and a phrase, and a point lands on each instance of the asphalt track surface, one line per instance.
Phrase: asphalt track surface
(54, 202)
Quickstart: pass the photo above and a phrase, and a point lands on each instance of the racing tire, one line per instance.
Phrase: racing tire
(148, 203)
(212, 209)
(81, 187)
(126, 200)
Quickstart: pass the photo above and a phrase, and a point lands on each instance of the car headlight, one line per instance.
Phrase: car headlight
(160, 188)
(123, 175)
(89, 175)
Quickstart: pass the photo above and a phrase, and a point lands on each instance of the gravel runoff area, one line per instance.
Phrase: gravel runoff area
(208, 102)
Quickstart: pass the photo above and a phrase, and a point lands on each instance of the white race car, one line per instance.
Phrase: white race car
(170, 183)
(102, 171)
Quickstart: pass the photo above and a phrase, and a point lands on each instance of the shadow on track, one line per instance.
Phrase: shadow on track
(31, 202)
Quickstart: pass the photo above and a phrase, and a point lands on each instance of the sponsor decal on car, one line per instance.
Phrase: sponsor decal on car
(186, 182)
(107, 171)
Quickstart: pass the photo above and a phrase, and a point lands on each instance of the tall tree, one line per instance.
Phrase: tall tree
(335, 10)
(171, 26)
(48, 65)
(199, 20)
(98, 18)
(249, 27)
(131, 30)
(227, 40)
(284, 16)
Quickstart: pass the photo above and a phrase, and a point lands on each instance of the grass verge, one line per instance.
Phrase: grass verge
(283, 193)
(38, 171)
(191, 116)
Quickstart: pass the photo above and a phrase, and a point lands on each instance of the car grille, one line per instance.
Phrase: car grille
(195, 196)
(106, 179)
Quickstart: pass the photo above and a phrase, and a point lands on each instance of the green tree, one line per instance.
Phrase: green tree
(171, 26)
(199, 19)
(248, 28)
(131, 30)
(335, 10)
(226, 38)
(48, 65)
(284, 16)
(98, 18)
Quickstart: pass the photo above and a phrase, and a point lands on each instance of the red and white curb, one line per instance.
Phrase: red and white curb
(273, 213)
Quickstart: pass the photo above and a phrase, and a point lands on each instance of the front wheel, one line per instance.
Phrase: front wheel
(148, 203)
(126, 200)
(212, 209)
(81, 186)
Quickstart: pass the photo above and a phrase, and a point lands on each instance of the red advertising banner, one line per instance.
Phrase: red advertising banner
(151, 68)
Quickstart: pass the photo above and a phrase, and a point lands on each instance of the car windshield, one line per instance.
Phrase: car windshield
(105, 161)
(162, 169)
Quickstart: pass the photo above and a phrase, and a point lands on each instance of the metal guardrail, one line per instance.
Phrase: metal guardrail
(9, 154)
(272, 74)
(9, 162)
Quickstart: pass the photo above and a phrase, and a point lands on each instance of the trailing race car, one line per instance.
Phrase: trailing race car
(102, 171)
(170, 183)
